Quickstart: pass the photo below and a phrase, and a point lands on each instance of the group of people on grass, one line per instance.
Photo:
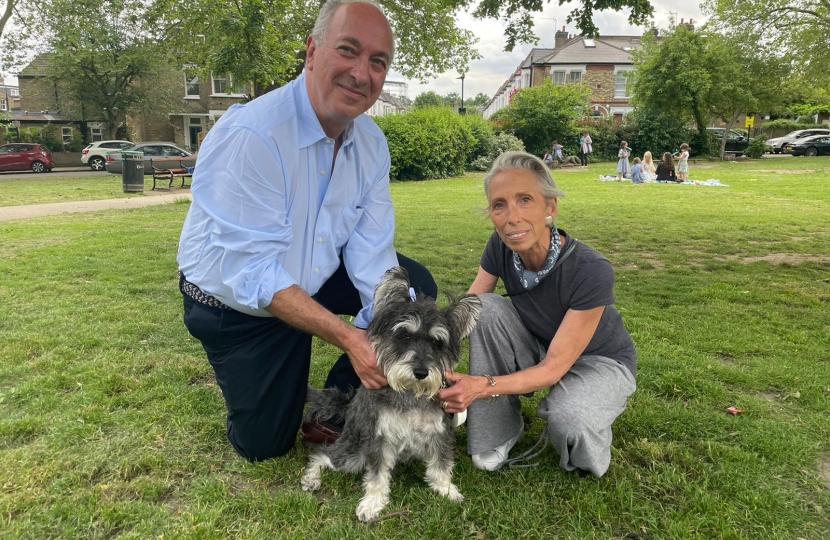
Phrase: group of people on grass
(639, 170)
(644, 170)
(289, 228)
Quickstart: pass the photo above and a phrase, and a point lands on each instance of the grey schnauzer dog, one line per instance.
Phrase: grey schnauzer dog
(415, 343)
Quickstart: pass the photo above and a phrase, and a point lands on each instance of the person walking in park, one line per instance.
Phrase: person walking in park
(292, 224)
(585, 143)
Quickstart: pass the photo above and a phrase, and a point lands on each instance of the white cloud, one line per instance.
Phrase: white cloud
(488, 74)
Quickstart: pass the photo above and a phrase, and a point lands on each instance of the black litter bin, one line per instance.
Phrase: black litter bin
(132, 172)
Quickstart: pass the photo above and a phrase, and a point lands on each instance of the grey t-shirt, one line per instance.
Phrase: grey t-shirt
(583, 281)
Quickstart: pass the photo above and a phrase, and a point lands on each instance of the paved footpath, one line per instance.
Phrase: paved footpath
(8, 213)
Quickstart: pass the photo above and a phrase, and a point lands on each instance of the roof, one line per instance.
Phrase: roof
(39, 116)
(535, 56)
(39, 67)
(392, 100)
(606, 50)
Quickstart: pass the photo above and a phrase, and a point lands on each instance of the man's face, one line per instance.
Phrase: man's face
(345, 73)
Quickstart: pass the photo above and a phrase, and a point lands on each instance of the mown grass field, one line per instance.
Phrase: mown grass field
(45, 188)
(111, 425)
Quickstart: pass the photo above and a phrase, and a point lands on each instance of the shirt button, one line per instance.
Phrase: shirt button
(319, 239)
(322, 171)
(316, 270)
(329, 141)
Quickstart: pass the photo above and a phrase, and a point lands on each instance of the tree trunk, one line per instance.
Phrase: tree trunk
(729, 125)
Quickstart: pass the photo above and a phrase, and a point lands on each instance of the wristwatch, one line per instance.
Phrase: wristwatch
(492, 381)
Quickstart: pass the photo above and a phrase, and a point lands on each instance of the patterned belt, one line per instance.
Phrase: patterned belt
(194, 292)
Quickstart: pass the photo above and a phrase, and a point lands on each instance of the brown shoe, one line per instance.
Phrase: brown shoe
(316, 432)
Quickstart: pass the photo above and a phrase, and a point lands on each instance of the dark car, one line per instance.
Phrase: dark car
(779, 144)
(818, 145)
(24, 157)
(151, 150)
(735, 142)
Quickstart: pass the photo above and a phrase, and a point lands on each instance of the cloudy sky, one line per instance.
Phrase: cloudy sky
(488, 74)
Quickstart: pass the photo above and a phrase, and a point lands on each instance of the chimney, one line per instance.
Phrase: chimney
(682, 21)
(560, 38)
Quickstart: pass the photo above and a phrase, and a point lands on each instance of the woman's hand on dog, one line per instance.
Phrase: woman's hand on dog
(464, 390)
(364, 361)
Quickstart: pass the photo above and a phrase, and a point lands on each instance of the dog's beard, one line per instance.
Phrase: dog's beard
(401, 379)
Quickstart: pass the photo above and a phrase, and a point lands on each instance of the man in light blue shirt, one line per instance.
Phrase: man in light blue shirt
(292, 223)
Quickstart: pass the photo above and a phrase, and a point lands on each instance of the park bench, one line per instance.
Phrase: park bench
(165, 170)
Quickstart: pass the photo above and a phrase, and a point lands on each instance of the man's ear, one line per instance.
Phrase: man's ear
(310, 47)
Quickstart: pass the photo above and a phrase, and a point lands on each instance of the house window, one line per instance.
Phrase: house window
(222, 84)
(621, 86)
(526, 82)
(3, 105)
(558, 77)
(66, 133)
(97, 134)
(14, 91)
(191, 84)
(575, 77)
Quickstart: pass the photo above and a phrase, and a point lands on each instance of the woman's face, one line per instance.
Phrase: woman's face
(518, 210)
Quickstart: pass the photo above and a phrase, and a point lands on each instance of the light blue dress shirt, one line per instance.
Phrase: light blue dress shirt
(268, 212)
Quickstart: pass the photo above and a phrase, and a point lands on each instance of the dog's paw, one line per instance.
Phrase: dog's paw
(454, 495)
(369, 508)
(310, 482)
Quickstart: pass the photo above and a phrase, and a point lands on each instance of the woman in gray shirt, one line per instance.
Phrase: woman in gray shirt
(558, 330)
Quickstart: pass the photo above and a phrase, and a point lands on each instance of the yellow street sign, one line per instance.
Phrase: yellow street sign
(750, 121)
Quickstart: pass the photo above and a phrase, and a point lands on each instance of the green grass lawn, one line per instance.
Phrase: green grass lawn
(111, 424)
(44, 188)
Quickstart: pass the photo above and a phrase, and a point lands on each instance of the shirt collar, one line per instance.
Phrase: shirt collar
(310, 130)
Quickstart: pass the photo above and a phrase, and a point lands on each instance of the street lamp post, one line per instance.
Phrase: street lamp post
(462, 109)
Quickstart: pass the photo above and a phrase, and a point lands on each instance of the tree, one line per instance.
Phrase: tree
(8, 9)
(479, 100)
(428, 99)
(700, 75)
(518, 16)
(100, 54)
(798, 29)
(539, 114)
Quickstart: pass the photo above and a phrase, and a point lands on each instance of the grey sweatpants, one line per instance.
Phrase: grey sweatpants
(579, 409)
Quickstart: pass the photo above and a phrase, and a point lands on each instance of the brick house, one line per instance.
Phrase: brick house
(603, 64)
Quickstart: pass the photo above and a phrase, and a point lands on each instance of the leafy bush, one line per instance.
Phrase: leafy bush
(539, 114)
(757, 147)
(503, 142)
(648, 129)
(787, 125)
(47, 136)
(483, 134)
(427, 143)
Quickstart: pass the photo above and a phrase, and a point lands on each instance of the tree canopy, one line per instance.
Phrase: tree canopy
(797, 29)
(700, 75)
(539, 114)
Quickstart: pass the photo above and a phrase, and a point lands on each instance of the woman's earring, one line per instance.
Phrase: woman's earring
(549, 222)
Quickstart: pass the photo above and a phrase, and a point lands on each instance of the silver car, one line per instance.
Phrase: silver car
(779, 144)
(151, 150)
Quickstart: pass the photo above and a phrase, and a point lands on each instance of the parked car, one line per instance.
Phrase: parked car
(817, 145)
(95, 154)
(735, 142)
(779, 143)
(24, 157)
(152, 150)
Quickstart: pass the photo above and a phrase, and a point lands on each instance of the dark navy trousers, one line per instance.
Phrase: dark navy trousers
(262, 364)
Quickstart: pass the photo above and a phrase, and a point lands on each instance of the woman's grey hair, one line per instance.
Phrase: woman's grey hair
(321, 25)
(528, 162)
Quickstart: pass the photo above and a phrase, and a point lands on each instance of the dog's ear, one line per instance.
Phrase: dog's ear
(463, 313)
(393, 288)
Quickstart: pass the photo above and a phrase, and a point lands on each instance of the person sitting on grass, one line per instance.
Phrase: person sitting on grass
(649, 170)
(665, 169)
(637, 176)
(557, 330)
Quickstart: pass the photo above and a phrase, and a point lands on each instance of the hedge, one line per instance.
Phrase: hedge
(427, 143)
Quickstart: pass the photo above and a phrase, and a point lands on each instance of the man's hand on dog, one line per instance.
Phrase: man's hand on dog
(365, 362)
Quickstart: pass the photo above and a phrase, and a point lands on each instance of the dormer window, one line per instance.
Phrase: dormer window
(589, 43)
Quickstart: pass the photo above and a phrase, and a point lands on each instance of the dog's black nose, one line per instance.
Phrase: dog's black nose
(420, 373)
